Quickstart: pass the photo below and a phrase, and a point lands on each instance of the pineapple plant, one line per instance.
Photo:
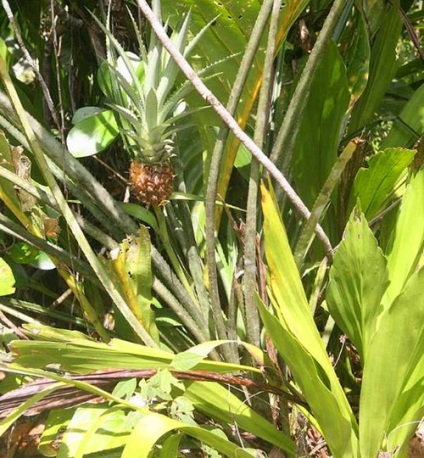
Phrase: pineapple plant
(149, 106)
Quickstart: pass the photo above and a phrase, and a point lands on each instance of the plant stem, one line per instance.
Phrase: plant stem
(306, 236)
(262, 120)
(207, 95)
(287, 134)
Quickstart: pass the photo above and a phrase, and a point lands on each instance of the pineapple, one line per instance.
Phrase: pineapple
(152, 184)
(148, 105)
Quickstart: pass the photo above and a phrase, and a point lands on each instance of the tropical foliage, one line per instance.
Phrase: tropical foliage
(212, 228)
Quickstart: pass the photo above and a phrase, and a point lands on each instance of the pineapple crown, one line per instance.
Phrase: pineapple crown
(142, 92)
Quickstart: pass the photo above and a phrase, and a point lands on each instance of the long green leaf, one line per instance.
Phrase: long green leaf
(407, 238)
(218, 402)
(382, 68)
(395, 351)
(153, 427)
(293, 330)
(358, 279)
(316, 148)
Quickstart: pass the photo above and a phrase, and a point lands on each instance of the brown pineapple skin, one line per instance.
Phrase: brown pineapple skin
(151, 184)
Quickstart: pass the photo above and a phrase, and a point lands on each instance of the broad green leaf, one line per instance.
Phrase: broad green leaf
(377, 184)
(316, 148)
(337, 424)
(412, 115)
(395, 351)
(358, 279)
(153, 427)
(407, 241)
(383, 66)
(86, 112)
(92, 134)
(7, 279)
(94, 429)
(293, 316)
(23, 253)
(218, 402)
(410, 404)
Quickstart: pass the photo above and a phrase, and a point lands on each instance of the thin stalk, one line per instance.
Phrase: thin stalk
(164, 237)
(195, 262)
(287, 134)
(207, 95)
(192, 306)
(307, 234)
(67, 213)
(212, 185)
(262, 121)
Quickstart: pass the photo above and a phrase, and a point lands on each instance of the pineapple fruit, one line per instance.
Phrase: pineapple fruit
(151, 184)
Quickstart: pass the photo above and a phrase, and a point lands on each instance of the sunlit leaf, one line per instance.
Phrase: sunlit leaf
(92, 134)
(7, 279)
(376, 185)
(358, 279)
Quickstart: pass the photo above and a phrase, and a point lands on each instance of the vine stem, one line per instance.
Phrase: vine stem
(221, 111)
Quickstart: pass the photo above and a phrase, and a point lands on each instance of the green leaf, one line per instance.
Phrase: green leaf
(86, 112)
(153, 427)
(294, 330)
(377, 184)
(220, 403)
(358, 279)
(407, 240)
(7, 279)
(395, 351)
(412, 115)
(338, 426)
(316, 148)
(76, 354)
(57, 421)
(94, 429)
(22, 253)
(92, 134)
(383, 66)
(141, 213)
(358, 56)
